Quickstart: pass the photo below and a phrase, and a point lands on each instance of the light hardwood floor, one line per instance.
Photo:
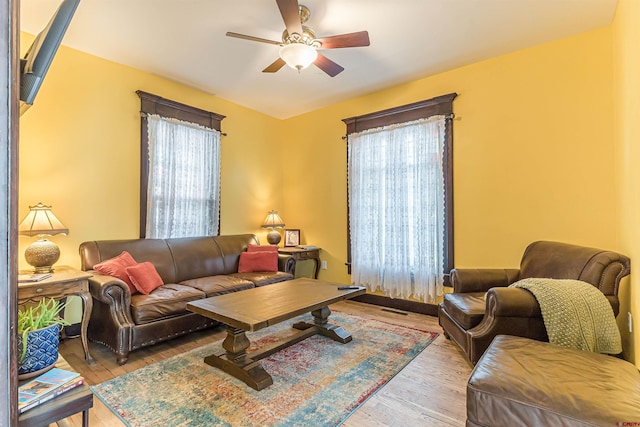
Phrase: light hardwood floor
(430, 391)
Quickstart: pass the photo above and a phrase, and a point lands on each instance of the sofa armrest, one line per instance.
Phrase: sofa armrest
(509, 311)
(286, 263)
(512, 302)
(114, 293)
(482, 279)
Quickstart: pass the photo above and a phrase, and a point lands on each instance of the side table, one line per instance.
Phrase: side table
(78, 399)
(65, 281)
(300, 254)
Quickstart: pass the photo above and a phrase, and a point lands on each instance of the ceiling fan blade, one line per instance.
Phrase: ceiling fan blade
(358, 39)
(290, 15)
(328, 66)
(251, 38)
(279, 63)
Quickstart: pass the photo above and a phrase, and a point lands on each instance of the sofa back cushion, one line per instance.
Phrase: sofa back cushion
(155, 251)
(555, 260)
(196, 257)
(176, 259)
(231, 247)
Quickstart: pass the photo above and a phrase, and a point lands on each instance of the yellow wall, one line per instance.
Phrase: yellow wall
(626, 80)
(80, 144)
(534, 156)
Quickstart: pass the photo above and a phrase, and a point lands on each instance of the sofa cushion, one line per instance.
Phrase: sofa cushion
(264, 278)
(258, 261)
(195, 257)
(466, 308)
(519, 381)
(168, 300)
(218, 285)
(116, 267)
(144, 277)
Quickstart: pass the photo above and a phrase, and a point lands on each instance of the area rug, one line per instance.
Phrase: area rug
(317, 382)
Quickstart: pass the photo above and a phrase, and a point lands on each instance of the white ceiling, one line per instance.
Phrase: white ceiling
(184, 41)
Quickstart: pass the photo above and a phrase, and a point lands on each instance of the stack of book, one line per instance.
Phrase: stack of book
(46, 386)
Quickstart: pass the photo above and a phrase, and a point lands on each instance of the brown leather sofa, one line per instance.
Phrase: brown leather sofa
(521, 382)
(191, 268)
(483, 306)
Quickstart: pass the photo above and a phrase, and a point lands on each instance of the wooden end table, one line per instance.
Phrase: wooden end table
(301, 254)
(257, 308)
(64, 281)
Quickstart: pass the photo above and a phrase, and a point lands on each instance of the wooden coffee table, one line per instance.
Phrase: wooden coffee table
(257, 308)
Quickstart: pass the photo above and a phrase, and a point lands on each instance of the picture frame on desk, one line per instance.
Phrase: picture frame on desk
(291, 237)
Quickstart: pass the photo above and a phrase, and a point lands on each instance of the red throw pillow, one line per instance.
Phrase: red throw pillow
(116, 267)
(258, 261)
(145, 277)
(262, 248)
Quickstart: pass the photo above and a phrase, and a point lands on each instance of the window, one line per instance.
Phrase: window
(400, 232)
(179, 169)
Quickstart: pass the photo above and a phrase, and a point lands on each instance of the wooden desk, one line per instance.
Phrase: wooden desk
(65, 281)
(79, 399)
(299, 254)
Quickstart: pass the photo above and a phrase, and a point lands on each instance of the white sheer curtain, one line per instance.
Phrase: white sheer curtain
(183, 196)
(397, 213)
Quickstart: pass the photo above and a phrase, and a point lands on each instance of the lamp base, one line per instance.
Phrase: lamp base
(42, 254)
(273, 237)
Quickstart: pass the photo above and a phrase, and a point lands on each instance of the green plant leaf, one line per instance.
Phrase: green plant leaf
(45, 314)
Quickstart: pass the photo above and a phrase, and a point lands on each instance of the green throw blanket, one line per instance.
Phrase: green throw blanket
(576, 314)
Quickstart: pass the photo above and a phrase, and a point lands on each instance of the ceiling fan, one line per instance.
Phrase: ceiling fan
(299, 45)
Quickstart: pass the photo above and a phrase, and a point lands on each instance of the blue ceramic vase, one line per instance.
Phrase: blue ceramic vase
(42, 349)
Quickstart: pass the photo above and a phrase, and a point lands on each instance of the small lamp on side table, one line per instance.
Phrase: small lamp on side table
(41, 222)
(273, 221)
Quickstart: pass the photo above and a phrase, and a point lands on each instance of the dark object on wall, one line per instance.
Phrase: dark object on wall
(38, 58)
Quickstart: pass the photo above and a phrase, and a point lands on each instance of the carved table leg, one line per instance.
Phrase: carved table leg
(322, 326)
(236, 363)
(87, 301)
(236, 344)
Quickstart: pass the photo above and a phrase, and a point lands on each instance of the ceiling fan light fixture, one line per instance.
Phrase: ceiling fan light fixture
(298, 55)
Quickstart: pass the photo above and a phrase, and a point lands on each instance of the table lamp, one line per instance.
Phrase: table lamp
(273, 221)
(41, 222)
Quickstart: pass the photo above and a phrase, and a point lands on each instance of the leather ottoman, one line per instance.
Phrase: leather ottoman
(522, 382)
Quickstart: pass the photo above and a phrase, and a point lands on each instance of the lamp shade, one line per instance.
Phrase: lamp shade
(273, 220)
(298, 55)
(40, 221)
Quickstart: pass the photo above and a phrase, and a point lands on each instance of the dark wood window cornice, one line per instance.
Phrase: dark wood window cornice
(440, 105)
(154, 104)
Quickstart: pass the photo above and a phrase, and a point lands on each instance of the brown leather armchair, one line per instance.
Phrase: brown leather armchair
(483, 306)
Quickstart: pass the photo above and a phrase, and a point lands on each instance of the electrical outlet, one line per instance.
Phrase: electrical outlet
(630, 319)
(324, 265)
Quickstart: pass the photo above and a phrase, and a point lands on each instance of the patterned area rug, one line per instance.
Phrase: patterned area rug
(317, 382)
